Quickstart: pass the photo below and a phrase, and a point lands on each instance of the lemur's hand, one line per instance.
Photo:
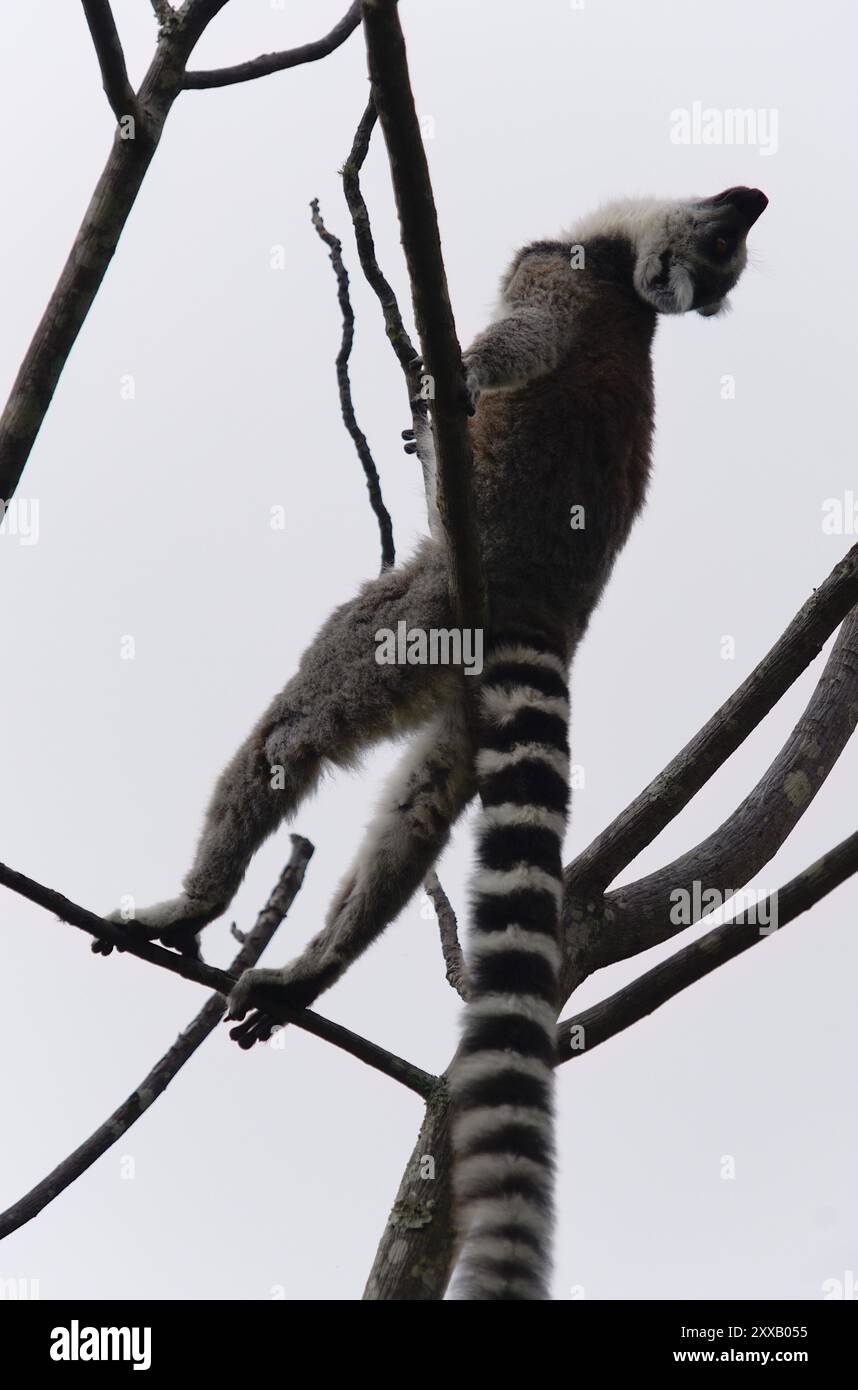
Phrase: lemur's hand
(260, 996)
(473, 381)
(176, 923)
(471, 387)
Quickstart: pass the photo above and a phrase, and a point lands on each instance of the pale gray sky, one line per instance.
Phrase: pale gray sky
(278, 1168)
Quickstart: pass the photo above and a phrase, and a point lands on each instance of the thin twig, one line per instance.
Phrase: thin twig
(268, 63)
(394, 326)
(595, 1025)
(728, 728)
(111, 59)
(189, 1040)
(373, 486)
(130, 941)
(449, 931)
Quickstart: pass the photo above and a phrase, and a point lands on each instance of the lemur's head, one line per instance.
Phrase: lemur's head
(690, 255)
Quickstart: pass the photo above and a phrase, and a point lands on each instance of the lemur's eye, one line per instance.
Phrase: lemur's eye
(721, 246)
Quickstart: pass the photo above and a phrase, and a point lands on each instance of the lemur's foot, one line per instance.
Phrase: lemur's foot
(262, 998)
(175, 923)
(410, 445)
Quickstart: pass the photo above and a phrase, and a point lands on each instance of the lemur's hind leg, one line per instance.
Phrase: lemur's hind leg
(340, 702)
(426, 794)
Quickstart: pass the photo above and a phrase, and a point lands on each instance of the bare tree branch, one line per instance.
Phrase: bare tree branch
(449, 930)
(130, 940)
(397, 334)
(373, 486)
(637, 916)
(116, 1126)
(93, 247)
(103, 223)
(197, 15)
(604, 1020)
(80, 280)
(395, 328)
(164, 12)
(394, 102)
(416, 1249)
(111, 59)
(675, 786)
(268, 63)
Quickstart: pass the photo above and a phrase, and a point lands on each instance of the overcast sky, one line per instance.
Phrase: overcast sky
(277, 1169)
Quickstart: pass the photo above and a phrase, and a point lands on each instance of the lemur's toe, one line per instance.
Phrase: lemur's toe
(257, 1027)
(103, 948)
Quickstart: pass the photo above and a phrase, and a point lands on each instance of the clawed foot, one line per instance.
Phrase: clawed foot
(261, 1001)
(176, 923)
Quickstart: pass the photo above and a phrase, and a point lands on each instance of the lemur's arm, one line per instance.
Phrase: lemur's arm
(526, 343)
(532, 327)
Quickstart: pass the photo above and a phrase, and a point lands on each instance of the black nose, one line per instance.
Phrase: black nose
(748, 202)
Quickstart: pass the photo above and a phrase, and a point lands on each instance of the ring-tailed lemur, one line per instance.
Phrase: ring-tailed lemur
(561, 384)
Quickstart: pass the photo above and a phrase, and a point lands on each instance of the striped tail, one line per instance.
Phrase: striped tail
(502, 1078)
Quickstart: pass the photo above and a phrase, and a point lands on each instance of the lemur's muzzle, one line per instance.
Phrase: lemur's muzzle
(749, 203)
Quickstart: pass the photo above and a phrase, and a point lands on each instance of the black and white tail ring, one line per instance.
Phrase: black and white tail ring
(502, 1079)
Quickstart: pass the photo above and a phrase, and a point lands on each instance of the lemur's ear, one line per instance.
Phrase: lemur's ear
(749, 203)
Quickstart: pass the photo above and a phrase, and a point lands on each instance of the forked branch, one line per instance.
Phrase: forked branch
(671, 791)
(117, 1125)
(586, 1030)
(111, 59)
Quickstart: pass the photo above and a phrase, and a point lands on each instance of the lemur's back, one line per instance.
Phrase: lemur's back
(576, 438)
